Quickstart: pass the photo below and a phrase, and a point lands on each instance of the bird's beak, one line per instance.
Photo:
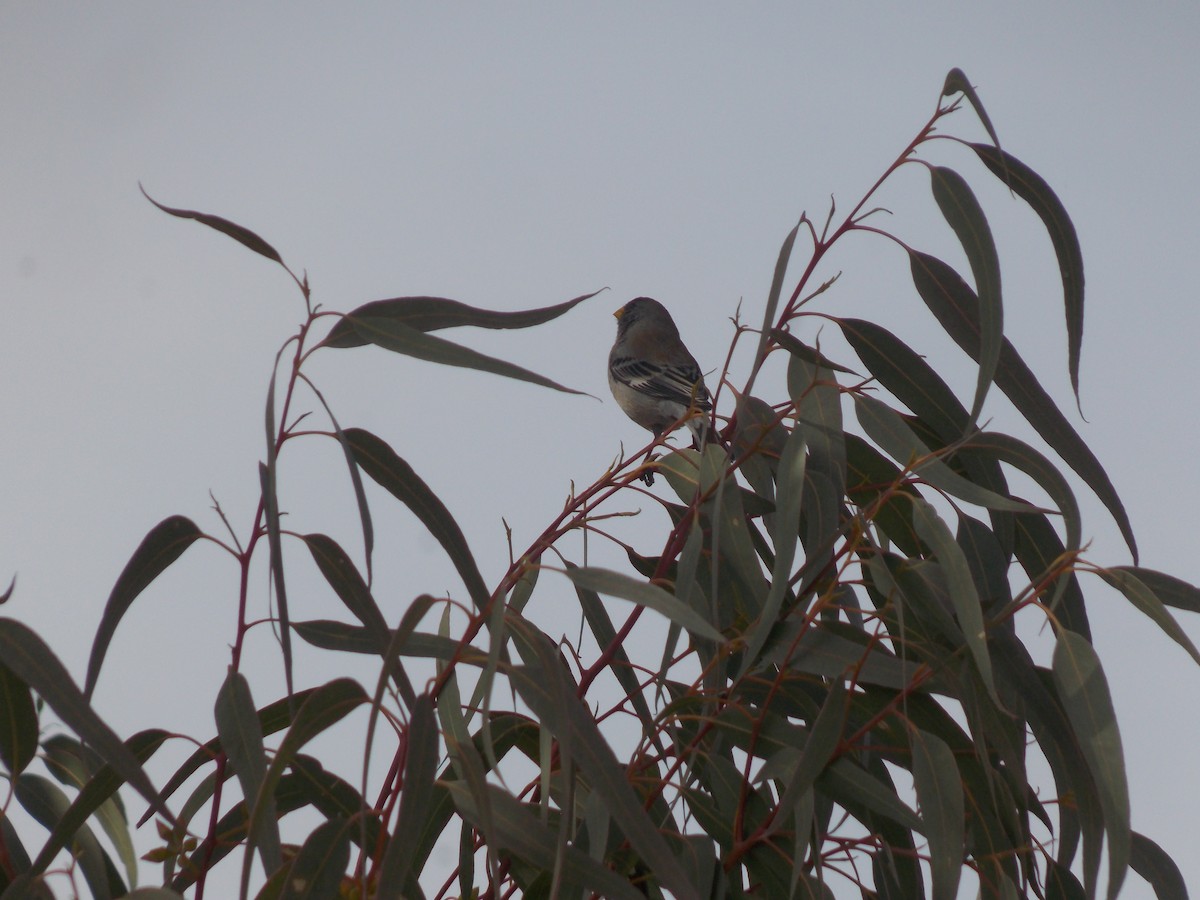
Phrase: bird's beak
(620, 312)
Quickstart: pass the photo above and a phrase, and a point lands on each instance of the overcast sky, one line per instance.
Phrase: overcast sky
(516, 155)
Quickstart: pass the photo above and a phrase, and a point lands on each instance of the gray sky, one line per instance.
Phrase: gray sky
(517, 155)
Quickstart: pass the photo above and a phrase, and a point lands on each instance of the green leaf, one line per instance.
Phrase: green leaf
(939, 790)
(396, 876)
(400, 338)
(75, 765)
(887, 428)
(958, 83)
(47, 804)
(397, 477)
(1151, 862)
(344, 638)
(270, 498)
(317, 871)
(242, 235)
(605, 634)
(323, 708)
(964, 214)
(520, 833)
(961, 586)
(908, 377)
(643, 593)
(787, 519)
(546, 688)
(348, 584)
(1083, 690)
(1031, 188)
(435, 313)
(781, 264)
(1170, 590)
(164, 544)
(28, 657)
(956, 308)
(18, 722)
(1140, 595)
(99, 792)
(242, 742)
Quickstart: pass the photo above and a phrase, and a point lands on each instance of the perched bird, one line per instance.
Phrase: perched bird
(653, 377)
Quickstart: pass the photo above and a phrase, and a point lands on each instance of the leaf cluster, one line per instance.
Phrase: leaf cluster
(844, 695)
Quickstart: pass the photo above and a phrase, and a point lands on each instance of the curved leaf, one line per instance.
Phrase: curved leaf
(318, 869)
(520, 832)
(164, 544)
(956, 308)
(99, 791)
(1170, 590)
(1151, 862)
(397, 477)
(908, 377)
(242, 235)
(435, 313)
(888, 429)
(546, 688)
(964, 214)
(1031, 188)
(643, 593)
(420, 775)
(1140, 595)
(33, 663)
(242, 742)
(967, 608)
(958, 83)
(939, 790)
(400, 338)
(47, 804)
(18, 722)
(1084, 692)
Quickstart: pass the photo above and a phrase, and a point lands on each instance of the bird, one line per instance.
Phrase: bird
(653, 377)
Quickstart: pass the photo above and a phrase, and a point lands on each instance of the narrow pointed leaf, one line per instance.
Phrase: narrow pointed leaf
(242, 235)
(164, 544)
(967, 608)
(348, 584)
(75, 765)
(397, 477)
(939, 790)
(1151, 862)
(616, 584)
(823, 739)
(242, 741)
(1141, 596)
(47, 804)
(318, 869)
(435, 313)
(956, 308)
(99, 790)
(1084, 692)
(787, 519)
(1170, 590)
(400, 338)
(18, 722)
(885, 426)
(266, 476)
(420, 775)
(323, 708)
(958, 83)
(546, 689)
(964, 214)
(908, 377)
(1033, 189)
(23, 652)
(520, 833)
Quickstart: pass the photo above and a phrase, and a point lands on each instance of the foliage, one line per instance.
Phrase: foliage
(844, 696)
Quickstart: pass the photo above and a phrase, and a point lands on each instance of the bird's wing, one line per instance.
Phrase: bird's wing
(682, 384)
